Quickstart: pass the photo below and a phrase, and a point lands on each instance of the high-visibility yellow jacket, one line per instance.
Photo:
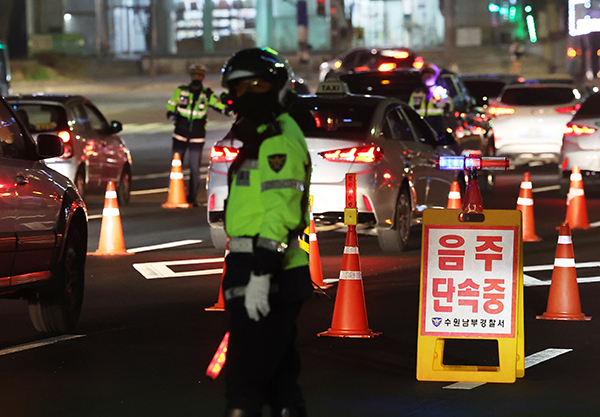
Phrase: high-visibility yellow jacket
(268, 192)
(191, 109)
(434, 105)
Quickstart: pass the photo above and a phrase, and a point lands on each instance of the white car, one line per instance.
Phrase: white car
(528, 121)
(581, 144)
(383, 140)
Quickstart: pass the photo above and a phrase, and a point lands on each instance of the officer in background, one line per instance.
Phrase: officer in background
(188, 108)
(267, 278)
(431, 100)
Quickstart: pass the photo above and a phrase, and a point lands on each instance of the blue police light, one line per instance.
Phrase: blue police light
(446, 162)
(456, 163)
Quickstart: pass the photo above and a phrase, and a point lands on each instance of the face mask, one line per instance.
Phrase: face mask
(196, 84)
(258, 107)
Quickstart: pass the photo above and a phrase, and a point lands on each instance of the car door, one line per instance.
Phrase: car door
(438, 182)
(30, 203)
(110, 152)
(409, 155)
(92, 144)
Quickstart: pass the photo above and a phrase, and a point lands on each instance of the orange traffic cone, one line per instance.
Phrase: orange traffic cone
(111, 231)
(176, 198)
(525, 204)
(563, 300)
(220, 305)
(314, 257)
(576, 209)
(454, 196)
(350, 311)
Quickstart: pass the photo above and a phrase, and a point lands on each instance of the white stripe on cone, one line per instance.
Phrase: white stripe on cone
(526, 185)
(522, 201)
(351, 250)
(565, 262)
(351, 275)
(110, 212)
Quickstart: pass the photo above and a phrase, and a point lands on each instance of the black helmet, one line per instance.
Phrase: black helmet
(264, 63)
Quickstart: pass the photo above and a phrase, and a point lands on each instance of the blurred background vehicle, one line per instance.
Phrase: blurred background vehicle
(581, 144)
(94, 153)
(529, 119)
(381, 139)
(368, 59)
(43, 228)
(487, 87)
(4, 70)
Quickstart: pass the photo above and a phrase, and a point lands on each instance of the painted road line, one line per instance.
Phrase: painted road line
(39, 343)
(157, 270)
(150, 191)
(529, 281)
(531, 360)
(548, 188)
(550, 267)
(595, 224)
(165, 245)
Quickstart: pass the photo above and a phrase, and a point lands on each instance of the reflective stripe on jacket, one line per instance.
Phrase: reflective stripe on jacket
(268, 196)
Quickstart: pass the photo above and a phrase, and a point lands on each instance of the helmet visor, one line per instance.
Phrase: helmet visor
(253, 85)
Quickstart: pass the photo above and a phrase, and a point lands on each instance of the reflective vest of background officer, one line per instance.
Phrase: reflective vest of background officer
(267, 278)
(188, 106)
(431, 101)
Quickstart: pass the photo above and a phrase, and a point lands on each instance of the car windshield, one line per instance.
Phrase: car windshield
(332, 119)
(398, 84)
(590, 109)
(42, 117)
(538, 96)
(482, 89)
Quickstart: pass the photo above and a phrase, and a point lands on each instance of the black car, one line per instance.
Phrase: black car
(43, 228)
(486, 87)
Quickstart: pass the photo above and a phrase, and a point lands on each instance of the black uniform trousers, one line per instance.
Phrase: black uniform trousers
(263, 363)
(195, 157)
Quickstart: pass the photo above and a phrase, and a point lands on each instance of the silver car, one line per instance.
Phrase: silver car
(94, 153)
(383, 140)
(528, 121)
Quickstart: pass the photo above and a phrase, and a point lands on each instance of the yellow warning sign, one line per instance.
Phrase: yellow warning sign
(471, 288)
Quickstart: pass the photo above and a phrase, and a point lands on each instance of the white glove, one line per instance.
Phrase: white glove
(257, 296)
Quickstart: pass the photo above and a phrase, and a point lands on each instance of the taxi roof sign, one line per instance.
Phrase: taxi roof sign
(333, 87)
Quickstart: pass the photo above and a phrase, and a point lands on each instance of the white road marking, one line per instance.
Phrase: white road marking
(156, 270)
(531, 360)
(529, 281)
(165, 245)
(548, 188)
(39, 343)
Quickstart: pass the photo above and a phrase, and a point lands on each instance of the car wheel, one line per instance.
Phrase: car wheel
(80, 181)
(57, 309)
(218, 237)
(396, 238)
(124, 187)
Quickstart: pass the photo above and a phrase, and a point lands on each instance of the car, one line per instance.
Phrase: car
(529, 119)
(381, 139)
(469, 125)
(43, 228)
(94, 153)
(367, 59)
(4, 70)
(487, 87)
(581, 144)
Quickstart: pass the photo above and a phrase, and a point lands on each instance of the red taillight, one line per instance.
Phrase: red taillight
(569, 109)
(368, 204)
(572, 129)
(500, 111)
(388, 66)
(364, 155)
(565, 164)
(223, 154)
(418, 64)
(362, 68)
(68, 141)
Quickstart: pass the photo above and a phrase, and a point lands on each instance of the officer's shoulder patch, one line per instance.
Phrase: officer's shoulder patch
(277, 161)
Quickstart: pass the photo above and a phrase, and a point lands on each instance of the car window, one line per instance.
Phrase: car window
(447, 83)
(13, 144)
(421, 129)
(395, 126)
(332, 119)
(590, 109)
(96, 119)
(398, 84)
(41, 118)
(537, 96)
(350, 59)
(80, 118)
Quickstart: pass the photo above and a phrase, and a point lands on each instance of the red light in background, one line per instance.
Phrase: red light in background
(223, 154)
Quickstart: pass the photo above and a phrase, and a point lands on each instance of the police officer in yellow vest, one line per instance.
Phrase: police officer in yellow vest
(188, 107)
(267, 278)
(431, 100)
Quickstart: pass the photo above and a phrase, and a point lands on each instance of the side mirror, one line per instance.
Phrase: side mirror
(115, 126)
(49, 146)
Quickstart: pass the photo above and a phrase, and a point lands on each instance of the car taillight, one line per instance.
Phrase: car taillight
(223, 154)
(572, 129)
(362, 68)
(211, 202)
(418, 64)
(569, 109)
(388, 66)
(500, 111)
(68, 141)
(363, 154)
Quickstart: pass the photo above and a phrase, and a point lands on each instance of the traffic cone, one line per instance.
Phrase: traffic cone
(563, 300)
(350, 311)
(473, 202)
(111, 232)
(454, 196)
(314, 257)
(176, 198)
(525, 204)
(220, 305)
(576, 208)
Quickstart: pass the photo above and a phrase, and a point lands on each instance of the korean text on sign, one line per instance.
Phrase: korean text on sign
(469, 281)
